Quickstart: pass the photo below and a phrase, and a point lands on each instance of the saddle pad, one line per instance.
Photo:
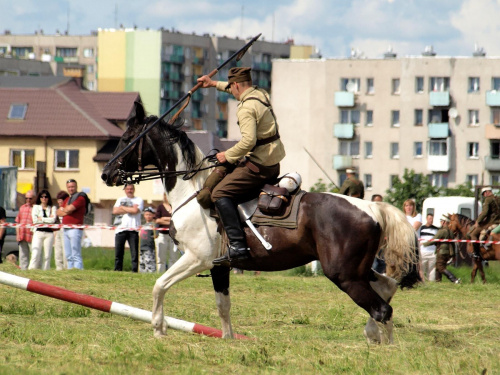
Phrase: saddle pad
(287, 220)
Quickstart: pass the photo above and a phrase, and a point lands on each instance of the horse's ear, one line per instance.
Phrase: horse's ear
(140, 114)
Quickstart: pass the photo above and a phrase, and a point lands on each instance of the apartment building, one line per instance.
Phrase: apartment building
(439, 116)
(68, 55)
(163, 65)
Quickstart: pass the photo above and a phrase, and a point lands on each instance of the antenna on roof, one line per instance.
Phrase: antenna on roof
(67, 21)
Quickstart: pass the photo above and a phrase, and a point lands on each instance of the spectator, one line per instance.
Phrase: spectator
(147, 234)
(413, 217)
(24, 235)
(72, 211)
(352, 186)
(428, 253)
(130, 207)
(59, 256)
(43, 238)
(3, 230)
(166, 252)
(377, 198)
(444, 251)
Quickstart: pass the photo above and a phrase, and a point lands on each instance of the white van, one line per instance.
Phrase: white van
(439, 206)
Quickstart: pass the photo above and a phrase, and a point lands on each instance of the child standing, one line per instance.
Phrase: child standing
(147, 234)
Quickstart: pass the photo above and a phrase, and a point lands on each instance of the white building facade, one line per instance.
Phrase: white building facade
(439, 116)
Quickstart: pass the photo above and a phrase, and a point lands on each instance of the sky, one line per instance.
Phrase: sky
(335, 27)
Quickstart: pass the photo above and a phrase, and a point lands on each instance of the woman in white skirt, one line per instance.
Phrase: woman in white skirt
(43, 238)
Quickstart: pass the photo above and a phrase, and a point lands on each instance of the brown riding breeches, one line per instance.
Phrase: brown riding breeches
(246, 179)
(441, 262)
(474, 235)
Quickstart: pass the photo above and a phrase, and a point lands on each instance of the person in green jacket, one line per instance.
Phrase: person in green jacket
(444, 251)
(490, 214)
(352, 186)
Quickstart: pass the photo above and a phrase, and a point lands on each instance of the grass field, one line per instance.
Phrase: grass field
(300, 324)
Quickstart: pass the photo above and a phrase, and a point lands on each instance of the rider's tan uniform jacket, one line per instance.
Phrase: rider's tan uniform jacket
(256, 122)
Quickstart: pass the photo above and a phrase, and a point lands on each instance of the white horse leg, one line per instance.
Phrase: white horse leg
(376, 332)
(186, 266)
(220, 280)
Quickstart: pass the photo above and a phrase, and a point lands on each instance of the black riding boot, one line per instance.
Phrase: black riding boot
(231, 222)
(451, 276)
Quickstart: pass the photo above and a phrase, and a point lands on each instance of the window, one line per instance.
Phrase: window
(368, 150)
(472, 178)
(350, 116)
(350, 84)
(439, 180)
(90, 68)
(419, 85)
(439, 84)
(419, 117)
(495, 149)
(370, 89)
(91, 85)
(418, 149)
(22, 52)
(473, 150)
(66, 52)
(368, 181)
(395, 119)
(495, 83)
(394, 150)
(393, 179)
(495, 116)
(369, 118)
(435, 116)
(395, 86)
(349, 148)
(66, 159)
(88, 52)
(438, 147)
(473, 117)
(495, 179)
(473, 84)
(22, 159)
(17, 111)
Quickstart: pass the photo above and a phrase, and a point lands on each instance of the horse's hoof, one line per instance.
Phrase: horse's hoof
(158, 334)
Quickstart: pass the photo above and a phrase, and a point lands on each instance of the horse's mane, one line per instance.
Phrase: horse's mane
(172, 133)
(464, 219)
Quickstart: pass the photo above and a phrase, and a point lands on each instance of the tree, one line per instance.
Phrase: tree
(463, 190)
(414, 186)
(321, 187)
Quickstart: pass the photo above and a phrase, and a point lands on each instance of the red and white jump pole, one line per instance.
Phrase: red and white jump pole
(105, 305)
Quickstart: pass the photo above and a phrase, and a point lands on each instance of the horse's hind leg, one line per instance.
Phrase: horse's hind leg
(376, 332)
(220, 280)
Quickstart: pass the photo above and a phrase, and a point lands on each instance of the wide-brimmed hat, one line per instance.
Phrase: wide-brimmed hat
(485, 189)
(239, 74)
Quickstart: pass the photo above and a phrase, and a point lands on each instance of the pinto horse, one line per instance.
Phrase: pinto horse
(460, 225)
(343, 233)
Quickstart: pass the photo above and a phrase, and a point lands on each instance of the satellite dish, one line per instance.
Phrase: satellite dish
(452, 112)
(351, 87)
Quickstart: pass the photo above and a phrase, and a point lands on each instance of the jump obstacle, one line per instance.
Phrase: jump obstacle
(105, 305)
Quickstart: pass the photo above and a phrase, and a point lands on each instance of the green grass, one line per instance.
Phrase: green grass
(301, 325)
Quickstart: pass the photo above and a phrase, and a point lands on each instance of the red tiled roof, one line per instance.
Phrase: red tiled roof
(113, 105)
(61, 111)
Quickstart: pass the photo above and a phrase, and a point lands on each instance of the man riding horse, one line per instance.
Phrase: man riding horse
(490, 214)
(255, 158)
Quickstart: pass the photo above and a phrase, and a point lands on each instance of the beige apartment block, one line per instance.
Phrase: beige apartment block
(439, 116)
(69, 55)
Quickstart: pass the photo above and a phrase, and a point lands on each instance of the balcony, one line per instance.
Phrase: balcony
(198, 60)
(439, 98)
(343, 131)
(492, 164)
(341, 162)
(438, 163)
(176, 59)
(222, 97)
(438, 130)
(265, 66)
(492, 131)
(344, 99)
(493, 98)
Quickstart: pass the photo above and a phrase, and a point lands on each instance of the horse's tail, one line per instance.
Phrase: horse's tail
(401, 245)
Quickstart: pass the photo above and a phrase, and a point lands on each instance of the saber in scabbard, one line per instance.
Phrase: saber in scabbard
(238, 55)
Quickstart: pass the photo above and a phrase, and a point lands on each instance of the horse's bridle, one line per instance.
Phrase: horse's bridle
(143, 174)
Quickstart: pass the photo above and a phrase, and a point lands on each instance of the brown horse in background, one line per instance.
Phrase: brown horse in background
(460, 226)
